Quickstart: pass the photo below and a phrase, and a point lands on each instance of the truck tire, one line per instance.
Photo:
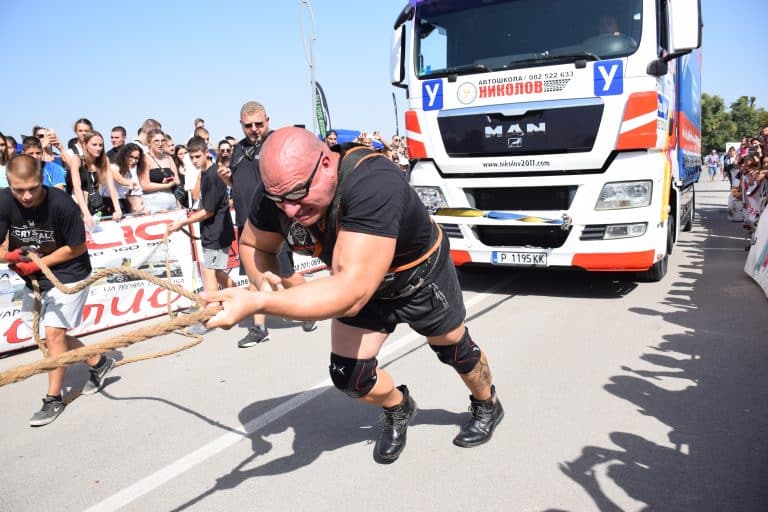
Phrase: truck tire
(688, 225)
(659, 269)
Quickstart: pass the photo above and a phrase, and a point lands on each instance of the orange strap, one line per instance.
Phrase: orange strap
(424, 256)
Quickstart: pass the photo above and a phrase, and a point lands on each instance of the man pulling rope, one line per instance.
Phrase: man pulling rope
(47, 221)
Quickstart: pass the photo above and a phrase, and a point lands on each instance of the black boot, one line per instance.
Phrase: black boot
(391, 442)
(486, 414)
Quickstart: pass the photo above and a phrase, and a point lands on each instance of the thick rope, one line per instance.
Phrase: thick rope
(121, 341)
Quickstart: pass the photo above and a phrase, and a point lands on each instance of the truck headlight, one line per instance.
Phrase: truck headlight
(432, 197)
(625, 194)
(614, 231)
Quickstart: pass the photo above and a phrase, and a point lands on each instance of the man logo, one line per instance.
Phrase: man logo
(467, 93)
(499, 130)
(515, 142)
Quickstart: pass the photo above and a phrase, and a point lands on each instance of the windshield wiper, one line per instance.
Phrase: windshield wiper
(461, 70)
(546, 56)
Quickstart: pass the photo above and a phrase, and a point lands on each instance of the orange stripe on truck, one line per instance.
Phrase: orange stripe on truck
(415, 148)
(640, 138)
(603, 262)
(412, 121)
(639, 104)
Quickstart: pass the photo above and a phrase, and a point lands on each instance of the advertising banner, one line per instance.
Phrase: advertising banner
(756, 266)
(118, 299)
(135, 242)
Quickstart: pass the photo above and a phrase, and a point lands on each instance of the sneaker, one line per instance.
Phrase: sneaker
(309, 325)
(486, 414)
(256, 334)
(197, 329)
(96, 379)
(52, 408)
(391, 442)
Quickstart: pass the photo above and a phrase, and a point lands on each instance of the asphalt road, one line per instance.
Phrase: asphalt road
(618, 396)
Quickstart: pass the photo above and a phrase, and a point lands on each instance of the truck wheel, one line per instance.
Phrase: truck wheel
(659, 269)
(688, 225)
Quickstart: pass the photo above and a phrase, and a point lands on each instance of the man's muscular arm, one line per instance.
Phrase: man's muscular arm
(360, 263)
(258, 252)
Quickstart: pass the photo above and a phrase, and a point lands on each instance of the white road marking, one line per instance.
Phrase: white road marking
(205, 452)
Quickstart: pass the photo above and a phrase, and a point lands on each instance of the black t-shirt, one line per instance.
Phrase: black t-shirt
(245, 178)
(53, 224)
(216, 232)
(112, 154)
(376, 199)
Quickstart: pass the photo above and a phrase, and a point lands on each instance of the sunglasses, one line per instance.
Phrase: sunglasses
(300, 192)
(253, 125)
(225, 151)
(40, 135)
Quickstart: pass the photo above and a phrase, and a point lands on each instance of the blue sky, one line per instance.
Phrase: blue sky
(177, 61)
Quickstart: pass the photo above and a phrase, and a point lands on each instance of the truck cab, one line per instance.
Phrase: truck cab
(552, 133)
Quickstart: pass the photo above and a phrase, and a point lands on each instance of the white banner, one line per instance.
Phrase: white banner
(135, 242)
(757, 259)
(118, 299)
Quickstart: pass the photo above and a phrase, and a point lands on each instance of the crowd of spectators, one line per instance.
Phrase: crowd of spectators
(145, 175)
(746, 166)
(395, 149)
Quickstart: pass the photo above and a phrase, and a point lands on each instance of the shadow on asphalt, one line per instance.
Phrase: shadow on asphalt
(326, 423)
(551, 282)
(718, 412)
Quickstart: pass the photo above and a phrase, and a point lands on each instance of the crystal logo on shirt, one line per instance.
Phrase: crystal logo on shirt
(301, 240)
(31, 235)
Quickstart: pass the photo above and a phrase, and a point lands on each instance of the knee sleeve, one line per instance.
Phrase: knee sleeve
(355, 377)
(463, 356)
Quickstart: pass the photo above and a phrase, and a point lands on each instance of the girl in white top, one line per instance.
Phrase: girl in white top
(128, 164)
(160, 176)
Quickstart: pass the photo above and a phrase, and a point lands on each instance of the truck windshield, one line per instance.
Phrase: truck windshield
(468, 36)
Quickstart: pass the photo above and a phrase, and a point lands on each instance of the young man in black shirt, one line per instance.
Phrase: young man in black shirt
(389, 264)
(48, 221)
(216, 229)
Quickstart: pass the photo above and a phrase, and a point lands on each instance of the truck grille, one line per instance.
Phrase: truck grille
(452, 230)
(522, 198)
(522, 236)
(593, 232)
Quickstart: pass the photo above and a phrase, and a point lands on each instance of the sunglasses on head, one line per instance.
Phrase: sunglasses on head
(301, 191)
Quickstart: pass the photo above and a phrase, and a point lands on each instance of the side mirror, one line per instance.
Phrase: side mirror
(397, 57)
(657, 67)
(684, 25)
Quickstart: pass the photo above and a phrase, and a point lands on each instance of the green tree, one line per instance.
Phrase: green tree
(717, 126)
(746, 116)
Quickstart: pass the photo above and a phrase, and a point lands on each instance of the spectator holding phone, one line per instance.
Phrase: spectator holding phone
(54, 175)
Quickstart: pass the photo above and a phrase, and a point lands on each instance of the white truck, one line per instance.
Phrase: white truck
(554, 133)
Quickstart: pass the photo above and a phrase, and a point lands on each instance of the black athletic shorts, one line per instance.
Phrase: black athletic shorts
(434, 309)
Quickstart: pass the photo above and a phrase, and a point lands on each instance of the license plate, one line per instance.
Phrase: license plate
(525, 259)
